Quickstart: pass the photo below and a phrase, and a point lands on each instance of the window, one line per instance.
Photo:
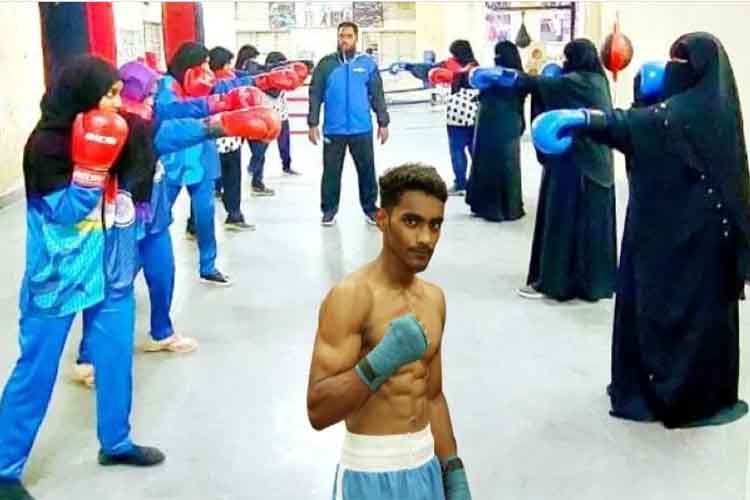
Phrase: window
(266, 41)
(152, 35)
(390, 46)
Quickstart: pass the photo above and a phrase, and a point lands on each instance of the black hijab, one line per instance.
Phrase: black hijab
(581, 55)
(246, 53)
(709, 117)
(189, 54)
(80, 85)
(461, 50)
(508, 56)
(218, 57)
(136, 164)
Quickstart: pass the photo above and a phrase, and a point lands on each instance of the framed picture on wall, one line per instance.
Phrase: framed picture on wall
(327, 15)
(368, 14)
(281, 15)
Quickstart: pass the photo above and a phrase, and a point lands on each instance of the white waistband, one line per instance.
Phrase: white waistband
(387, 453)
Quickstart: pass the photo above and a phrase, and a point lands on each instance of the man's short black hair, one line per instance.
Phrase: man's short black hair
(410, 177)
(348, 24)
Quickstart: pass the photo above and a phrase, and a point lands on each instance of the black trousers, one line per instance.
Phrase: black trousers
(334, 149)
(231, 179)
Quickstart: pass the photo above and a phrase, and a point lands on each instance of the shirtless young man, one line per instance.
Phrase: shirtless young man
(377, 357)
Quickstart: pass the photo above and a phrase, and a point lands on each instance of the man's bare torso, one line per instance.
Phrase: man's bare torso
(400, 405)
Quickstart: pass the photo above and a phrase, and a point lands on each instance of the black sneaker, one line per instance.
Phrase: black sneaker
(262, 191)
(216, 278)
(238, 225)
(14, 490)
(139, 456)
(290, 171)
(329, 219)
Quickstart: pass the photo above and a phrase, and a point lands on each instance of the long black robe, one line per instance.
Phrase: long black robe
(494, 188)
(574, 252)
(675, 347)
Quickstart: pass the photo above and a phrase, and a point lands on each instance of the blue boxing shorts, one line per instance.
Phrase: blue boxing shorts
(392, 467)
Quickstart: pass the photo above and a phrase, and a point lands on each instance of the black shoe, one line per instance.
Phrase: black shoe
(238, 225)
(262, 191)
(13, 490)
(139, 456)
(370, 219)
(190, 232)
(329, 219)
(216, 278)
(289, 171)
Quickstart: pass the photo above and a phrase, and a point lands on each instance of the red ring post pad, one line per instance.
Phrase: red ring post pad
(71, 29)
(181, 22)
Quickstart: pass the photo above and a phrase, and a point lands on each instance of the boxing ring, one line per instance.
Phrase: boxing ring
(399, 91)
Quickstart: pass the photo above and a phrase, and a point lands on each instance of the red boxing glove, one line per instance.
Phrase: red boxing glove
(245, 97)
(452, 65)
(97, 139)
(224, 74)
(255, 124)
(137, 108)
(237, 98)
(282, 79)
(198, 81)
(299, 68)
(274, 123)
(440, 76)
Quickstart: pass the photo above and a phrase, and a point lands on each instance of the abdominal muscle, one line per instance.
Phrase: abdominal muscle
(398, 407)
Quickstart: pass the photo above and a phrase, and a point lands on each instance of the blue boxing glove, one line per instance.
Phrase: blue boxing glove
(420, 71)
(652, 79)
(552, 131)
(404, 342)
(484, 78)
(455, 483)
(396, 68)
(552, 70)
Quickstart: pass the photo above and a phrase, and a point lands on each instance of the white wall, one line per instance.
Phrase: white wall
(21, 88)
(219, 25)
(653, 26)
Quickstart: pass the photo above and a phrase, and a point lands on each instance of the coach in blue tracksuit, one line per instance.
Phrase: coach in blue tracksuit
(349, 84)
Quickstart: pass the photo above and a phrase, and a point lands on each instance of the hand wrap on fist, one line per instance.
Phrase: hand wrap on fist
(404, 342)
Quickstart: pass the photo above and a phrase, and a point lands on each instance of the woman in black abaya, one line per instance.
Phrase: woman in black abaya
(494, 187)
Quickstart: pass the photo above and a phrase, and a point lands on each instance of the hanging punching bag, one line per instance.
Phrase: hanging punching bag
(617, 51)
(71, 29)
(181, 22)
(523, 39)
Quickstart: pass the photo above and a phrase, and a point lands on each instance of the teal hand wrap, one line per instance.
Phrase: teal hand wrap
(403, 343)
(454, 480)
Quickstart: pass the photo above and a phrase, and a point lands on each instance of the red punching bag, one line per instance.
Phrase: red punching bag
(617, 51)
(181, 22)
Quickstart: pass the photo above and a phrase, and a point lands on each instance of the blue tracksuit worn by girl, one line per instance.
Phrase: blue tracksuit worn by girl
(140, 237)
(65, 275)
(196, 167)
